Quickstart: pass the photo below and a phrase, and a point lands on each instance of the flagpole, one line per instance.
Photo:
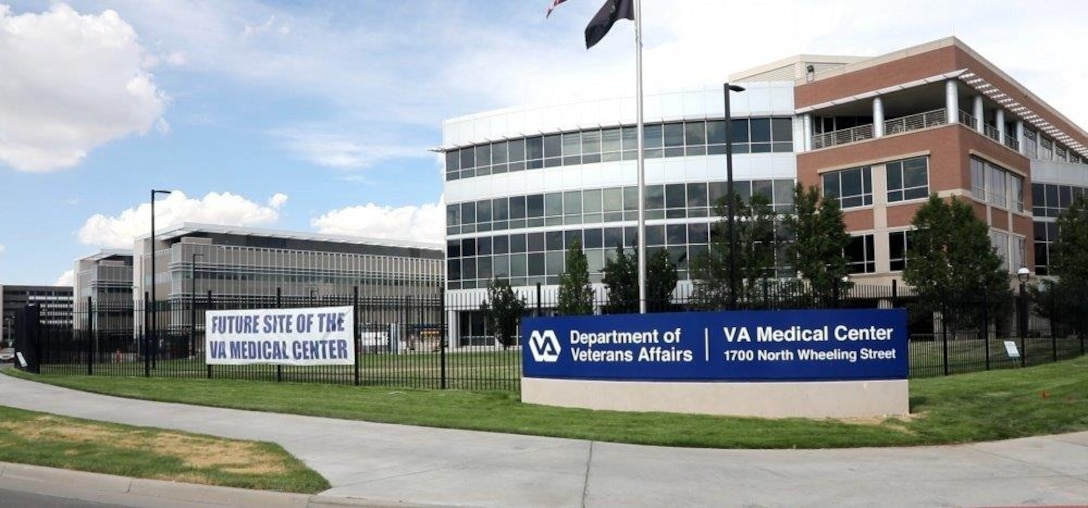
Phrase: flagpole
(641, 238)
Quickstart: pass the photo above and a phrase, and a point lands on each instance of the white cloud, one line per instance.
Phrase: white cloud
(228, 209)
(70, 83)
(277, 200)
(343, 152)
(424, 223)
(68, 278)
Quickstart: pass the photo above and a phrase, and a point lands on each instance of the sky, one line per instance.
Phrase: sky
(318, 116)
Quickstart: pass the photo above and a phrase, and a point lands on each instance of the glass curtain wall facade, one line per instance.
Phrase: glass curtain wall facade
(104, 282)
(250, 268)
(515, 202)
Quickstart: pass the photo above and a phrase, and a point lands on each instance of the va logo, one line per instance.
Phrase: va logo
(544, 346)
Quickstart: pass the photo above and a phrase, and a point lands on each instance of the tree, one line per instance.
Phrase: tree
(661, 281)
(757, 235)
(575, 292)
(1069, 254)
(819, 239)
(950, 255)
(620, 277)
(503, 310)
(621, 282)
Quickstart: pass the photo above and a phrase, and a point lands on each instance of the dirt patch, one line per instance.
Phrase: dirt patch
(897, 422)
(206, 453)
(238, 457)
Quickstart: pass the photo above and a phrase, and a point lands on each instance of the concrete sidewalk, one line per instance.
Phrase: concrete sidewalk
(378, 464)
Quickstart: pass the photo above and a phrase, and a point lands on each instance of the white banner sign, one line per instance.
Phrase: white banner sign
(311, 336)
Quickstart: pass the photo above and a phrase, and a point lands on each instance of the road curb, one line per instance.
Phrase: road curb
(210, 495)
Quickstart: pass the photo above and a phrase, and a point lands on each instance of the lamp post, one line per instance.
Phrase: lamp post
(1023, 274)
(313, 294)
(730, 195)
(192, 302)
(148, 357)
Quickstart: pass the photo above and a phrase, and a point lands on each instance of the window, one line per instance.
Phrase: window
(1045, 234)
(499, 157)
(1030, 146)
(898, 245)
(453, 165)
(591, 146)
(995, 181)
(572, 148)
(853, 187)
(1046, 148)
(534, 152)
(999, 187)
(610, 144)
(978, 179)
(1015, 185)
(908, 179)
(860, 255)
(999, 240)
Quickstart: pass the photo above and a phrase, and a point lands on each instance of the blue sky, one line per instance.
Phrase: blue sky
(318, 115)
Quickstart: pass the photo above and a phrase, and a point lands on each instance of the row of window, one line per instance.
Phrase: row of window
(674, 139)
(1050, 200)
(1039, 146)
(906, 179)
(612, 204)
(528, 259)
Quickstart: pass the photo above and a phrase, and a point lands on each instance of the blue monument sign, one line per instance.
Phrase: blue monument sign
(750, 346)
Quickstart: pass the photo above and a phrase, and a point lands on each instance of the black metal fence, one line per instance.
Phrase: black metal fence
(435, 342)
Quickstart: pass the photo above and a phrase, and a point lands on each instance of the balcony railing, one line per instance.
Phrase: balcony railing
(899, 125)
(935, 118)
(967, 119)
(915, 122)
(842, 136)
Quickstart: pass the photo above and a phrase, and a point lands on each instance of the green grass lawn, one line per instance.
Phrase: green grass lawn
(999, 404)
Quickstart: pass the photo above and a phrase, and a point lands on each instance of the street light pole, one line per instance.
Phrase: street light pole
(730, 196)
(1023, 274)
(192, 302)
(154, 324)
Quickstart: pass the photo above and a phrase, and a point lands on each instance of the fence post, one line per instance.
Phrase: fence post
(944, 335)
(28, 338)
(1054, 343)
(207, 307)
(539, 310)
(895, 293)
(986, 324)
(835, 293)
(279, 305)
(355, 332)
(90, 338)
(147, 335)
(445, 335)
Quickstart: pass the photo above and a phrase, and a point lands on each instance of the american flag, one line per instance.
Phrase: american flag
(555, 3)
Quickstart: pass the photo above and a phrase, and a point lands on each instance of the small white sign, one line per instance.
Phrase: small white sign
(22, 361)
(1010, 348)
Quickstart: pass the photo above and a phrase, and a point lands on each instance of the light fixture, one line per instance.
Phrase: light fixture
(1023, 274)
